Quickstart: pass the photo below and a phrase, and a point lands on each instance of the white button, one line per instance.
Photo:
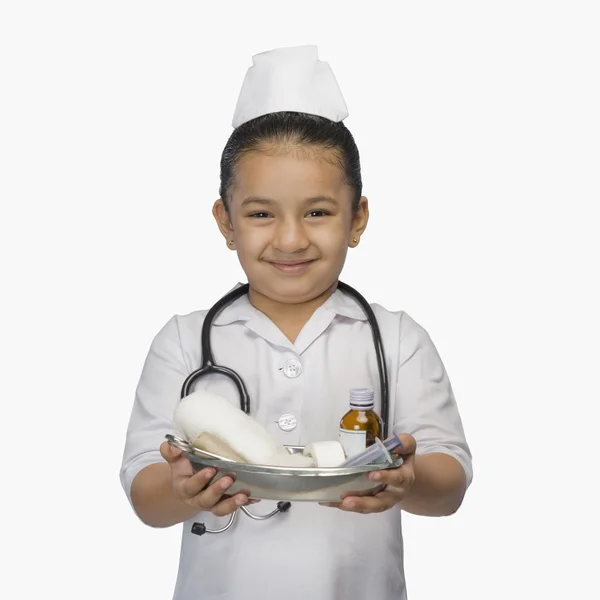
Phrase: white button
(292, 368)
(287, 422)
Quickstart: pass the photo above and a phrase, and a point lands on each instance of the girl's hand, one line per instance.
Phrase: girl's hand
(193, 488)
(398, 483)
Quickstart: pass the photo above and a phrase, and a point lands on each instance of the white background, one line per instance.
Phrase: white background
(478, 125)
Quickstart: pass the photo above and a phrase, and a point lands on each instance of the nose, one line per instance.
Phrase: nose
(290, 236)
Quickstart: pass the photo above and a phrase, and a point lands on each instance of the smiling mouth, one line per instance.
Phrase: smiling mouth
(291, 263)
(291, 266)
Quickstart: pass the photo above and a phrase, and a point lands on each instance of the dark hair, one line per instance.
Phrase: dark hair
(298, 129)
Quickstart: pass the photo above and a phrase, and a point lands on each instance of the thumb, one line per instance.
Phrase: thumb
(409, 445)
(169, 453)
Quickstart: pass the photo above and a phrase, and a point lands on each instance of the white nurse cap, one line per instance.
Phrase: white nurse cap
(290, 79)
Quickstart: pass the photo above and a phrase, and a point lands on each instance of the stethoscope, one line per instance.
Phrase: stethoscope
(208, 366)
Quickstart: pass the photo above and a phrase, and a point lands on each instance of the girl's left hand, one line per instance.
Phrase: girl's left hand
(398, 483)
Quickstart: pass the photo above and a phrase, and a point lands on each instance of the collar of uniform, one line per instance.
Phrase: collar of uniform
(338, 303)
(239, 310)
(343, 305)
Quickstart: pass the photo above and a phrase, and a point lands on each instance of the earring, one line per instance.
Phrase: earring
(354, 240)
(230, 243)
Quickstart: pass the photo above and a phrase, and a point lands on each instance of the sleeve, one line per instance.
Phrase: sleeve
(425, 403)
(157, 394)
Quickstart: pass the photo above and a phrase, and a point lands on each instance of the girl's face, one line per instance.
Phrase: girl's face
(291, 221)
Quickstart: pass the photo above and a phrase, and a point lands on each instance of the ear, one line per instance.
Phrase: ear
(223, 220)
(359, 221)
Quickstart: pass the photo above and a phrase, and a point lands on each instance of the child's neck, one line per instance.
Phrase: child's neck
(289, 318)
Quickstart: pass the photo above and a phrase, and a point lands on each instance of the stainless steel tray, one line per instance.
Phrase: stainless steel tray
(293, 484)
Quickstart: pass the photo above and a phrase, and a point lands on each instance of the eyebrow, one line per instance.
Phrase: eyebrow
(268, 201)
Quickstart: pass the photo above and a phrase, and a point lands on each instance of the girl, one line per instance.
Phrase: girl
(291, 205)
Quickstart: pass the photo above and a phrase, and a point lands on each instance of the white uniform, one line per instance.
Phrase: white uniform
(311, 552)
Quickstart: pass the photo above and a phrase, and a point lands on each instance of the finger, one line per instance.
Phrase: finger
(354, 494)
(374, 504)
(394, 477)
(209, 497)
(191, 484)
(409, 464)
(370, 492)
(181, 469)
(229, 505)
(200, 483)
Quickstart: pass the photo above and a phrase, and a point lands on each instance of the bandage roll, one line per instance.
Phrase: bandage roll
(210, 422)
(326, 454)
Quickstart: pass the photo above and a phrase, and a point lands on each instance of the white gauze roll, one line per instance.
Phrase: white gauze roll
(211, 423)
(326, 454)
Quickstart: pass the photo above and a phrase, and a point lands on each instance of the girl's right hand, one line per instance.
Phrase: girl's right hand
(193, 488)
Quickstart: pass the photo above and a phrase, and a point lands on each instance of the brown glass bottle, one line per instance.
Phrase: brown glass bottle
(361, 424)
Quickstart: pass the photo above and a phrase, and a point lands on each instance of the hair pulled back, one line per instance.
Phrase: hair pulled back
(292, 129)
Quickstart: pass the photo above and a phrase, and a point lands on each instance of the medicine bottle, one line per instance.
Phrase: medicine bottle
(361, 424)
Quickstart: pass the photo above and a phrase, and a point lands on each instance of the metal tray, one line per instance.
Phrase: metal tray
(293, 484)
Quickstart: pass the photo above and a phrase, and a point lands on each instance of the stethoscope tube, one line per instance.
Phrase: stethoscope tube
(379, 353)
(208, 366)
(208, 362)
(201, 529)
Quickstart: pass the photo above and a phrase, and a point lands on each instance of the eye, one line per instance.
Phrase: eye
(318, 213)
(259, 215)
